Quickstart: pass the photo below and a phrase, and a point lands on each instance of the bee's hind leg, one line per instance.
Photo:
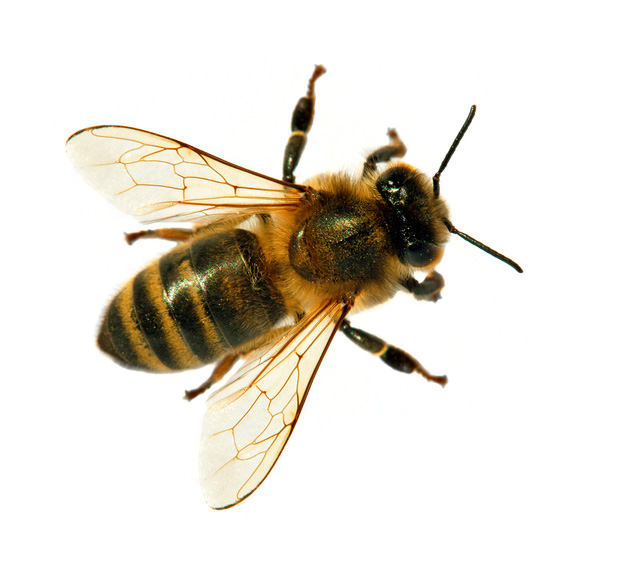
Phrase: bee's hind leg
(303, 114)
(178, 234)
(224, 365)
(395, 358)
(218, 373)
(168, 233)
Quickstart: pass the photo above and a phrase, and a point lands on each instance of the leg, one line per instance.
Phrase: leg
(393, 357)
(428, 290)
(224, 366)
(396, 148)
(167, 233)
(179, 235)
(218, 373)
(301, 123)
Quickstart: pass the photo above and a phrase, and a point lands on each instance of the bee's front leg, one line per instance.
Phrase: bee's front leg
(428, 290)
(395, 149)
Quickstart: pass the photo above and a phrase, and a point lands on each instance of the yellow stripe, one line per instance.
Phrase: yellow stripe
(383, 349)
(181, 352)
(210, 334)
(146, 357)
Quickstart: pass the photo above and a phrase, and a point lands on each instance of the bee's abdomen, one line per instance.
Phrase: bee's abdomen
(197, 303)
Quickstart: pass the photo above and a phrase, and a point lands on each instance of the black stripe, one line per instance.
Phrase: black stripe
(266, 294)
(151, 323)
(215, 262)
(113, 338)
(180, 296)
(231, 269)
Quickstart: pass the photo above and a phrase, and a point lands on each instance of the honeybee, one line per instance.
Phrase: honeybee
(268, 273)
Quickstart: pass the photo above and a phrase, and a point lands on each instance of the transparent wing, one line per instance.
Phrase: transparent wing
(249, 421)
(156, 178)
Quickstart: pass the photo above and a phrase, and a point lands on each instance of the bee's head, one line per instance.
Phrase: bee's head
(416, 215)
(420, 216)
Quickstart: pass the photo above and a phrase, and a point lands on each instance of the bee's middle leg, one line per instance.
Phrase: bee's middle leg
(395, 358)
(303, 114)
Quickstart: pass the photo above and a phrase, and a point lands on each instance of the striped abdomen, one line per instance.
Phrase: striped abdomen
(196, 304)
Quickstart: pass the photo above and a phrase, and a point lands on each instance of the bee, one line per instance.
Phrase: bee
(268, 273)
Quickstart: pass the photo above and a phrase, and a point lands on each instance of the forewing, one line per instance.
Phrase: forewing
(249, 421)
(156, 178)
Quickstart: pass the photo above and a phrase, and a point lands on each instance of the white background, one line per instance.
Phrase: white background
(515, 460)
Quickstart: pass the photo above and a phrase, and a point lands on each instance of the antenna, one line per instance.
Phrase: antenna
(451, 228)
(455, 144)
(482, 246)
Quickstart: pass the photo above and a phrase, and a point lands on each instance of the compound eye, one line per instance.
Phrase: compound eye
(423, 254)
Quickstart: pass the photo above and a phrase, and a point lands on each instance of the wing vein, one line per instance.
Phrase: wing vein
(142, 173)
(260, 406)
